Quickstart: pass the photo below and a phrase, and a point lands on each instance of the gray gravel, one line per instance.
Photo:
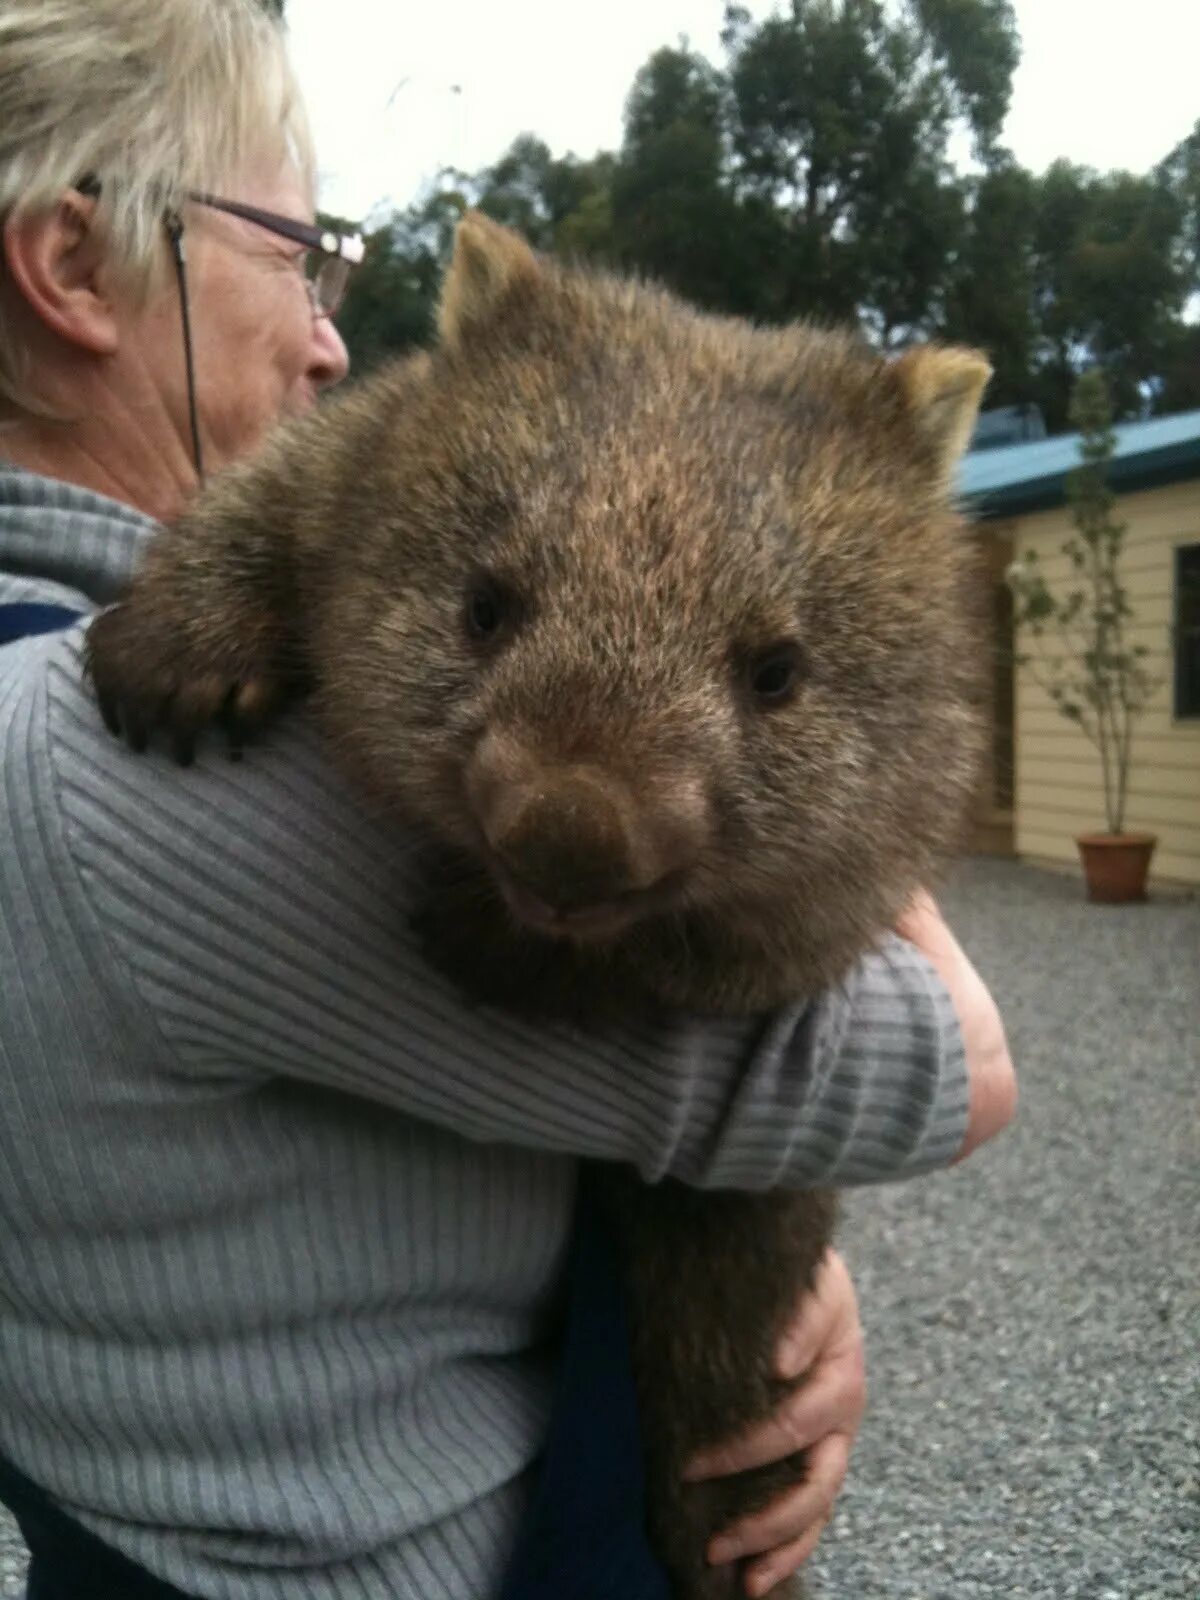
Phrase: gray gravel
(1034, 1316)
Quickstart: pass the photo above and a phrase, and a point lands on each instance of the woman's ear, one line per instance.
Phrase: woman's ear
(55, 259)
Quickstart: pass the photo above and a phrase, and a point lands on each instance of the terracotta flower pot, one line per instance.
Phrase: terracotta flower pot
(1116, 865)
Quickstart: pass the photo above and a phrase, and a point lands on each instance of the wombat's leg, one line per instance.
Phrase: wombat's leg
(210, 629)
(713, 1278)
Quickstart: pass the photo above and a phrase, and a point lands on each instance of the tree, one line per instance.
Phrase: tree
(1179, 174)
(1108, 283)
(990, 300)
(1178, 386)
(842, 115)
(392, 297)
(977, 43)
(391, 301)
(674, 216)
(555, 202)
(514, 190)
(676, 85)
(1080, 654)
(810, 175)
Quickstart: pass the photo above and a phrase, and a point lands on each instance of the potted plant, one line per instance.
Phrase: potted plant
(1079, 651)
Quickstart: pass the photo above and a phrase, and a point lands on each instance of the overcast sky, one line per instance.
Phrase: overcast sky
(397, 91)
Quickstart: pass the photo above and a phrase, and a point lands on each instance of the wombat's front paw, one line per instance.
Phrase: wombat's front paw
(149, 677)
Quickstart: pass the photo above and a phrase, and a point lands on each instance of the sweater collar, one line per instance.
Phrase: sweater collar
(83, 546)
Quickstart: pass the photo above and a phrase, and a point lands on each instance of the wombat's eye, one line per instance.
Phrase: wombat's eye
(489, 610)
(776, 674)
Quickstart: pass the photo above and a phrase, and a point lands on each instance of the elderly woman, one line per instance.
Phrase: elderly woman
(282, 1224)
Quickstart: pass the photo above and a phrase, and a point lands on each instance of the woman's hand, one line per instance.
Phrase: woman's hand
(821, 1416)
(993, 1079)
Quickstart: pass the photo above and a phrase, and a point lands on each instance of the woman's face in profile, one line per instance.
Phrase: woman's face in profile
(261, 355)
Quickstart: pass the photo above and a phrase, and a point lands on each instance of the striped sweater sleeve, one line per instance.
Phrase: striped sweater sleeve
(262, 920)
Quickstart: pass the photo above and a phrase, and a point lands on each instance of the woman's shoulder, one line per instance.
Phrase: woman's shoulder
(276, 828)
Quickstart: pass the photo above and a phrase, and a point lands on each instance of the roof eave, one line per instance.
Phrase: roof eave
(1151, 469)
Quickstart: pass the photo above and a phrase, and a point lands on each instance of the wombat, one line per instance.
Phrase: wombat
(657, 627)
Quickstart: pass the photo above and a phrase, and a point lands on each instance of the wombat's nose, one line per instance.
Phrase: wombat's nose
(573, 836)
(568, 848)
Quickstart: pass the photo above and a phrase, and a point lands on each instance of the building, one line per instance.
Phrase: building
(1043, 783)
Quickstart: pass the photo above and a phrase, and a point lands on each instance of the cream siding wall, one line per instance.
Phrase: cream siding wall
(1059, 792)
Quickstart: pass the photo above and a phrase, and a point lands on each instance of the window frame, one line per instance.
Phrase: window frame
(1185, 552)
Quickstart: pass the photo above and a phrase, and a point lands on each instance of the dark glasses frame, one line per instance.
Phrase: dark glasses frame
(339, 251)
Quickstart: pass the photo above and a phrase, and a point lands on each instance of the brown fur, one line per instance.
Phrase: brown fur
(651, 505)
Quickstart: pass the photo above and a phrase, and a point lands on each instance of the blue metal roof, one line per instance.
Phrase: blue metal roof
(1032, 477)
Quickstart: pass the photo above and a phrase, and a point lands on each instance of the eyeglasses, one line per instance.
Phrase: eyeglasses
(329, 259)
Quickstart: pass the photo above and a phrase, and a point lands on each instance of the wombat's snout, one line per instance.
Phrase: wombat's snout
(577, 848)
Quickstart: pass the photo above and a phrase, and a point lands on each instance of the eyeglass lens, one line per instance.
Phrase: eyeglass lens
(327, 280)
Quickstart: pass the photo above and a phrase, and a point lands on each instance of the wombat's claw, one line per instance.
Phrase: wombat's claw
(108, 712)
(245, 708)
(145, 685)
(122, 719)
(237, 732)
(136, 732)
(183, 749)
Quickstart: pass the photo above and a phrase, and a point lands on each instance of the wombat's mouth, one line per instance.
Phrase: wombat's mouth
(598, 920)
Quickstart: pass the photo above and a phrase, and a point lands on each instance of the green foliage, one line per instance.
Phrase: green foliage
(392, 297)
(977, 43)
(840, 121)
(674, 214)
(559, 204)
(675, 86)
(1179, 175)
(1108, 279)
(809, 175)
(990, 298)
(1179, 381)
(1079, 651)
(543, 196)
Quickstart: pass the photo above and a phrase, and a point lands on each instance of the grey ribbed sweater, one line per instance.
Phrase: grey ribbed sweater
(280, 1219)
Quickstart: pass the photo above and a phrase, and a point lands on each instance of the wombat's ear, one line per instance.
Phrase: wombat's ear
(488, 262)
(942, 386)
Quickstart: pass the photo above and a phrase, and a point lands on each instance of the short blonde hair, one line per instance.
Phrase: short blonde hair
(152, 98)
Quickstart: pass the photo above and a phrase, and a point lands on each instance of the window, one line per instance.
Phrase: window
(1187, 630)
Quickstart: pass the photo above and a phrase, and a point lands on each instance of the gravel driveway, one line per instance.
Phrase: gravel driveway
(1034, 1316)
